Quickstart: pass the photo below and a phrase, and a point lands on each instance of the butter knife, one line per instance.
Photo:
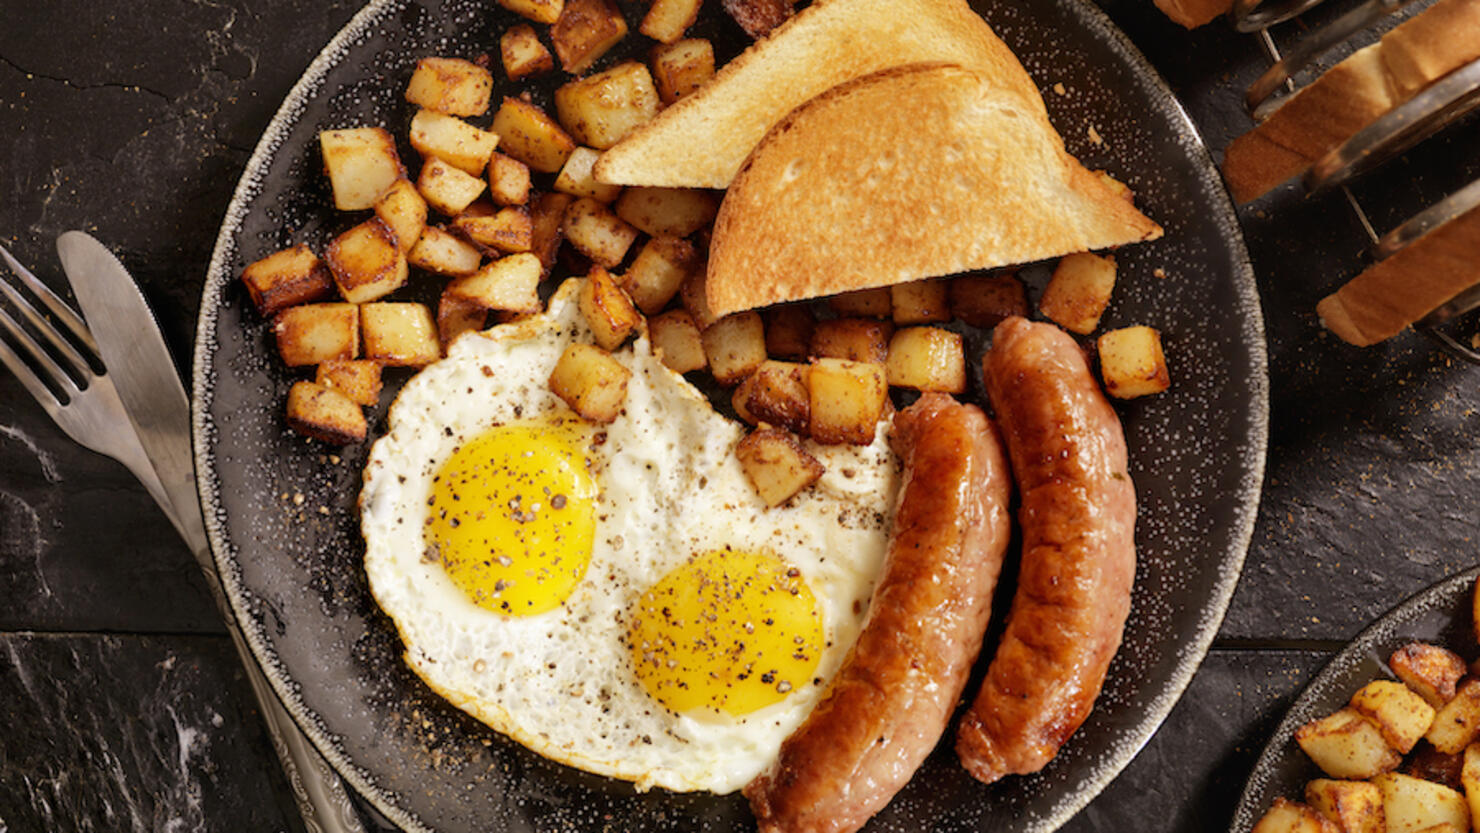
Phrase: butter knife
(144, 374)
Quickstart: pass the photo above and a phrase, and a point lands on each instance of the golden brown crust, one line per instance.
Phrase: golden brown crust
(1194, 13)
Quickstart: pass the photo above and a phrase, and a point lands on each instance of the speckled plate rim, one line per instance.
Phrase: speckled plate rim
(219, 277)
(1330, 687)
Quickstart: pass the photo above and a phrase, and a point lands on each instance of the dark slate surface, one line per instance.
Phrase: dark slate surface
(125, 708)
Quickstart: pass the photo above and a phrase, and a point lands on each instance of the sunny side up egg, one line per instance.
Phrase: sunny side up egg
(614, 597)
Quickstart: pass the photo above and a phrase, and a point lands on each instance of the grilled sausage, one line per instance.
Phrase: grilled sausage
(890, 702)
(1078, 519)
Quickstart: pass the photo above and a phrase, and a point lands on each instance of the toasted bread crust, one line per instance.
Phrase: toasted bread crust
(958, 172)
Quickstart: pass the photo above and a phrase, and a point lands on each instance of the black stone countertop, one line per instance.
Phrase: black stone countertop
(125, 708)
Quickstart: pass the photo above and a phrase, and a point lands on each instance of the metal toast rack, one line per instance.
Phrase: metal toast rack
(1437, 106)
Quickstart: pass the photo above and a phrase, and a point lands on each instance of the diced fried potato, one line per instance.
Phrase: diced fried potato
(1355, 806)
(399, 334)
(523, 54)
(285, 279)
(987, 300)
(443, 253)
(456, 316)
(667, 20)
(366, 262)
(508, 180)
(735, 345)
(658, 271)
(607, 309)
(529, 135)
(507, 230)
(695, 297)
(776, 394)
(776, 465)
(1402, 715)
(599, 110)
(789, 330)
(864, 303)
(920, 302)
(1457, 723)
(927, 359)
(1079, 291)
(1345, 744)
(1469, 777)
(846, 400)
(511, 283)
(324, 414)
(590, 381)
(452, 140)
(1443, 827)
(855, 339)
(739, 399)
(598, 233)
(1132, 363)
(1432, 672)
(446, 188)
(358, 379)
(676, 338)
(672, 212)
(680, 68)
(450, 85)
(540, 11)
(548, 217)
(1287, 816)
(361, 163)
(316, 333)
(584, 32)
(403, 211)
(1413, 804)
(759, 17)
(576, 179)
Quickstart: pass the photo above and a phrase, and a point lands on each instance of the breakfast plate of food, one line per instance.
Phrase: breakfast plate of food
(651, 433)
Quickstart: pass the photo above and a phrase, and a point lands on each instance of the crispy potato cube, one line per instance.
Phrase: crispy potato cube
(676, 338)
(598, 233)
(1432, 672)
(506, 230)
(789, 330)
(590, 381)
(540, 11)
(658, 271)
(920, 302)
(1132, 364)
(1345, 744)
(1079, 291)
(450, 85)
(366, 262)
(855, 339)
(511, 283)
(846, 400)
(358, 379)
(456, 316)
(548, 218)
(448, 189)
(444, 253)
(317, 333)
(672, 212)
(452, 140)
(1469, 777)
(987, 300)
(1414, 804)
(508, 180)
(1443, 827)
(759, 17)
(361, 163)
(403, 211)
(585, 30)
(927, 359)
(776, 394)
(776, 465)
(399, 334)
(1285, 816)
(667, 20)
(523, 54)
(599, 110)
(695, 297)
(607, 309)
(1402, 715)
(325, 414)
(735, 345)
(1355, 806)
(286, 279)
(1457, 723)
(681, 67)
(864, 303)
(528, 134)
(576, 179)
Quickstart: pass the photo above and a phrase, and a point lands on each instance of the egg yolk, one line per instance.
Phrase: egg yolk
(512, 516)
(728, 631)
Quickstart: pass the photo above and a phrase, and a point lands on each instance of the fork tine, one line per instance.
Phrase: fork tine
(58, 376)
(58, 307)
(44, 327)
(40, 392)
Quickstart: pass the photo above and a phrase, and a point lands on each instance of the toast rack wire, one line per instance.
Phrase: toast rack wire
(1436, 107)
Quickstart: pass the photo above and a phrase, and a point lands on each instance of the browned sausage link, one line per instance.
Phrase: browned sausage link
(889, 704)
(1078, 521)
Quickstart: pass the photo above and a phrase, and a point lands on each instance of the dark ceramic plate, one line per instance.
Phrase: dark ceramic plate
(281, 510)
(1441, 614)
